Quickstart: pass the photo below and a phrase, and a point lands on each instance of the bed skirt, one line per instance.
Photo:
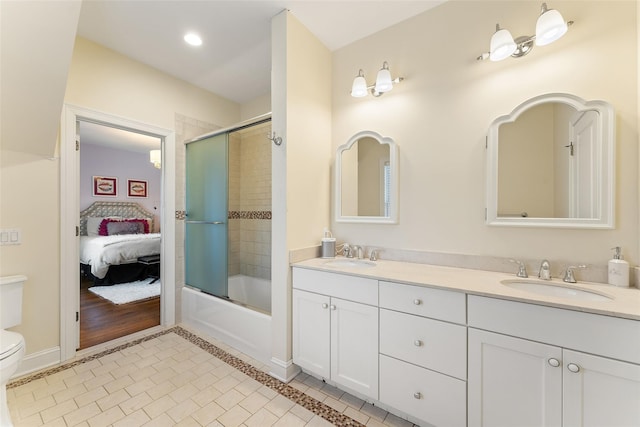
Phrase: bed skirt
(123, 273)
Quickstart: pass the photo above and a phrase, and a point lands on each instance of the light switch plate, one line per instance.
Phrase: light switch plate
(12, 236)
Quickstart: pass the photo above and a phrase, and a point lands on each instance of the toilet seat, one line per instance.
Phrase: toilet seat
(10, 343)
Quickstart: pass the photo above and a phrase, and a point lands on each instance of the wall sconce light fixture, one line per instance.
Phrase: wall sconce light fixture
(549, 28)
(155, 157)
(384, 83)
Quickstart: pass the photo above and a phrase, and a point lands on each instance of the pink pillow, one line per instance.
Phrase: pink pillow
(112, 227)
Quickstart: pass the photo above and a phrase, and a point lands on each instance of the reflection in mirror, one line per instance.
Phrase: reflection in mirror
(551, 163)
(366, 179)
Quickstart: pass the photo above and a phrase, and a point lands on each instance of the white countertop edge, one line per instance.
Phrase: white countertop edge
(625, 303)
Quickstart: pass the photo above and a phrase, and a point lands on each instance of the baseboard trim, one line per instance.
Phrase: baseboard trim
(39, 360)
(285, 371)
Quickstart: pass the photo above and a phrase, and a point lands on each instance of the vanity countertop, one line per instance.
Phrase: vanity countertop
(625, 302)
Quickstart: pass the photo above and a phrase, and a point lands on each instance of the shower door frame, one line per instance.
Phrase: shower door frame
(264, 118)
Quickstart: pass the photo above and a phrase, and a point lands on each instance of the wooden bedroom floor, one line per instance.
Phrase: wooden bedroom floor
(102, 321)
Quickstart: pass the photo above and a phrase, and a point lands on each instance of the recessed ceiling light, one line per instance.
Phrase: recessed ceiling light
(193, 39)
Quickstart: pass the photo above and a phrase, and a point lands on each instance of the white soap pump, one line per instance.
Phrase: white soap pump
(618, 270)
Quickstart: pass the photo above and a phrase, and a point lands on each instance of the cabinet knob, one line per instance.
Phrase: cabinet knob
(573, 368)
(325, 305)
(417, 301)
(554, 362)
(417, 343)
(417, 395)
(332, 307)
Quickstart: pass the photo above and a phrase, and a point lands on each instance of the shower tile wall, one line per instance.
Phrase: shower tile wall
(250, 202)
(187, 128)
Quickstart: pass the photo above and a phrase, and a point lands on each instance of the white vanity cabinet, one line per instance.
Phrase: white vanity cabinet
(335, 328)
(541, 366)
(423, 353)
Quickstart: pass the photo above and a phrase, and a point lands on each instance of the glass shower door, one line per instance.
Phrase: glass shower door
(206, 225)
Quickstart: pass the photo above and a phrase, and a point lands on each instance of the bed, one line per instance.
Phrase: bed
(113, 235)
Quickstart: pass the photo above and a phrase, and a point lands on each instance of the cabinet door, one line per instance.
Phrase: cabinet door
(513, 382)
(311, 332)
(354, 346)
(600, 391)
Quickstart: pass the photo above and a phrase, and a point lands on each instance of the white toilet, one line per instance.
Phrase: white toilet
(12, 346)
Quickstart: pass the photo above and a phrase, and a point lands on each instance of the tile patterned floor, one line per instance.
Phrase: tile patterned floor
(176, 378)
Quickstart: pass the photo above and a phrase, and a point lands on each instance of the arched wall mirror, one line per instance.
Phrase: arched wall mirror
(551, 163)
(366, 179)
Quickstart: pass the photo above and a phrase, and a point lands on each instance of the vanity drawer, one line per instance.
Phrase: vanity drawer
(421, 301)
(431, 397)
(587, 332)
(429, 343)
(352, 288)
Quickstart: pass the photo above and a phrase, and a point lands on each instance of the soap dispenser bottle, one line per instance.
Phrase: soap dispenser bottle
(618, 270)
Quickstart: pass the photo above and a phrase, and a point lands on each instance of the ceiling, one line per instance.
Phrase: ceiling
(234, 60)
(120, 139)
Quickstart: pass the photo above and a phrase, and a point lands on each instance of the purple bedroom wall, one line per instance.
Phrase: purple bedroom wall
(97, 160)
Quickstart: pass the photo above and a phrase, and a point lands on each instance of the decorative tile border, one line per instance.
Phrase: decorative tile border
(328, 413)
(249, 214)
(182, 215)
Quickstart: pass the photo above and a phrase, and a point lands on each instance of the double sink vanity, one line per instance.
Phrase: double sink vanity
(448, 346)
(444, 346)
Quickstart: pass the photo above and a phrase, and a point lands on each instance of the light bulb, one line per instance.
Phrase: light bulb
(359, 87)
(502, 44)
(550, 26)
(383, 80)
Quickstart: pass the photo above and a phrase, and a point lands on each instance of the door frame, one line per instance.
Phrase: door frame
(70, 219)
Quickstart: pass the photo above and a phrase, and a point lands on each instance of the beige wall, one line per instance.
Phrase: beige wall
(301, 101)
(440, 114)
(29, 201)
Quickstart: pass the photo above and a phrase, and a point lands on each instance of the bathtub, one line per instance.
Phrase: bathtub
(251, 291)
(240, 327)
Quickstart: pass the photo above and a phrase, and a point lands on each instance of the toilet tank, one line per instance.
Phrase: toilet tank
(11, 300)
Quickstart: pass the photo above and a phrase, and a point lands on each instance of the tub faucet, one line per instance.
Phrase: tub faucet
(545, 270)
(522, 269)
(568, 274)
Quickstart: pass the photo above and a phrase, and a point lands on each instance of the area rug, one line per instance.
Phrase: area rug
(128, 292)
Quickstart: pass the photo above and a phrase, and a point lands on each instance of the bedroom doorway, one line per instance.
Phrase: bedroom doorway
(101, 187)
(119, 194)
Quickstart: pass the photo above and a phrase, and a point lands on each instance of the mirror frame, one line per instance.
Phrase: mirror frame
(393, 164)
(605, 218)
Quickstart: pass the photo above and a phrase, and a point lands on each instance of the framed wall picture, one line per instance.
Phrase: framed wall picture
(136, 188)
(105, 186)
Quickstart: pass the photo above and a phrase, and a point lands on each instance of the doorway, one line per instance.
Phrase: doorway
(119, 271)
(70, 221)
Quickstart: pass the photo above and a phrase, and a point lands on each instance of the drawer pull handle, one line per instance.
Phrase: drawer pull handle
(417, 343)
(325, 305)
(554, 362)
(417, 395)
(417, 301)
(332, 307)
(573, 368)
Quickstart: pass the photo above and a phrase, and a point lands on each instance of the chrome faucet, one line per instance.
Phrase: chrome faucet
(358, 250)
(373, 255)
(522, 269)
(568, 274)
(545, 270)
(347, 251)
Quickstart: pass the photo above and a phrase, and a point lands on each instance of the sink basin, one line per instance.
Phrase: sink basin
(555, 290)
(359, 263)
